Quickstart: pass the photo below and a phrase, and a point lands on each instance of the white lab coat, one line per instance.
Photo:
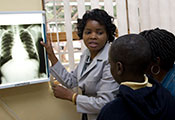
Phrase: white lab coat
(96, 81)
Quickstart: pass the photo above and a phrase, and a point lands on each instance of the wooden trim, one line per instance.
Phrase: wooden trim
(62, 36)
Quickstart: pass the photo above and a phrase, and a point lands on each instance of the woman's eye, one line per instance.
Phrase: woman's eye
(99, 33)
(87, 32)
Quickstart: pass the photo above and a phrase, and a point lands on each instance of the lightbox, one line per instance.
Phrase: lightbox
(23, 60)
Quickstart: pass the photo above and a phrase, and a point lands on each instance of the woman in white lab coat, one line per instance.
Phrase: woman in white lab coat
(92, 75)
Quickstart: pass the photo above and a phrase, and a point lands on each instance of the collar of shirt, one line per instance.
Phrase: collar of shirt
(88, 60)
(138, 85)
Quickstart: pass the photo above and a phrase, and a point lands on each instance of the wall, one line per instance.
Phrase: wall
(32, 102)
(35, 102)
(20, 5)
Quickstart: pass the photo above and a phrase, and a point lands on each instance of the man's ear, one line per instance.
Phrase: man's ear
(119, 67)
(158, 60)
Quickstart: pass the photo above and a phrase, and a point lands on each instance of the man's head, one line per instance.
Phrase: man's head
(129, 57)
(162, 44)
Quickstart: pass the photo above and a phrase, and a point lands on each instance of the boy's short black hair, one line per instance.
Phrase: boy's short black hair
(133, 51)
(100, 16)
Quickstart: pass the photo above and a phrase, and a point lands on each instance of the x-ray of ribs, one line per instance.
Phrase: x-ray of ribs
(19, 53)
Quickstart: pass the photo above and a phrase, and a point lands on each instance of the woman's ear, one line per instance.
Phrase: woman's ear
(120, 68)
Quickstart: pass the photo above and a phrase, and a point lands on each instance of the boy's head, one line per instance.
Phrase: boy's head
(129, 57)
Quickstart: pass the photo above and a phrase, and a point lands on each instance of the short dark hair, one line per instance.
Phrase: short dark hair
(162, 44)
(100, 16)
(133, 51)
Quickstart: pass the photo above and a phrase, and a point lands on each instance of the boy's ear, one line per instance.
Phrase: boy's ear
(119, 67)
(158, 60)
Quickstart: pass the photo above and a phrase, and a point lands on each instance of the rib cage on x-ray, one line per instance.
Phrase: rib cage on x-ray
(7, 43)
(28, 44)
(21, 50)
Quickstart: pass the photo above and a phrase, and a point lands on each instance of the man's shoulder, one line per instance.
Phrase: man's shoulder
(113, 110)
(113, 105)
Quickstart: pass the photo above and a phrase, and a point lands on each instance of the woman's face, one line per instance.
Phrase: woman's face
(94, 36)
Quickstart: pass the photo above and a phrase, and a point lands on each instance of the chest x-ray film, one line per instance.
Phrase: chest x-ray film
(23, 59)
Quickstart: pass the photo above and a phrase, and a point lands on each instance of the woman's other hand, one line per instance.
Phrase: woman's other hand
(62, 92)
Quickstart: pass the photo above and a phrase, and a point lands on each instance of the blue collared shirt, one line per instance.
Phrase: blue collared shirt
(169, 81)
